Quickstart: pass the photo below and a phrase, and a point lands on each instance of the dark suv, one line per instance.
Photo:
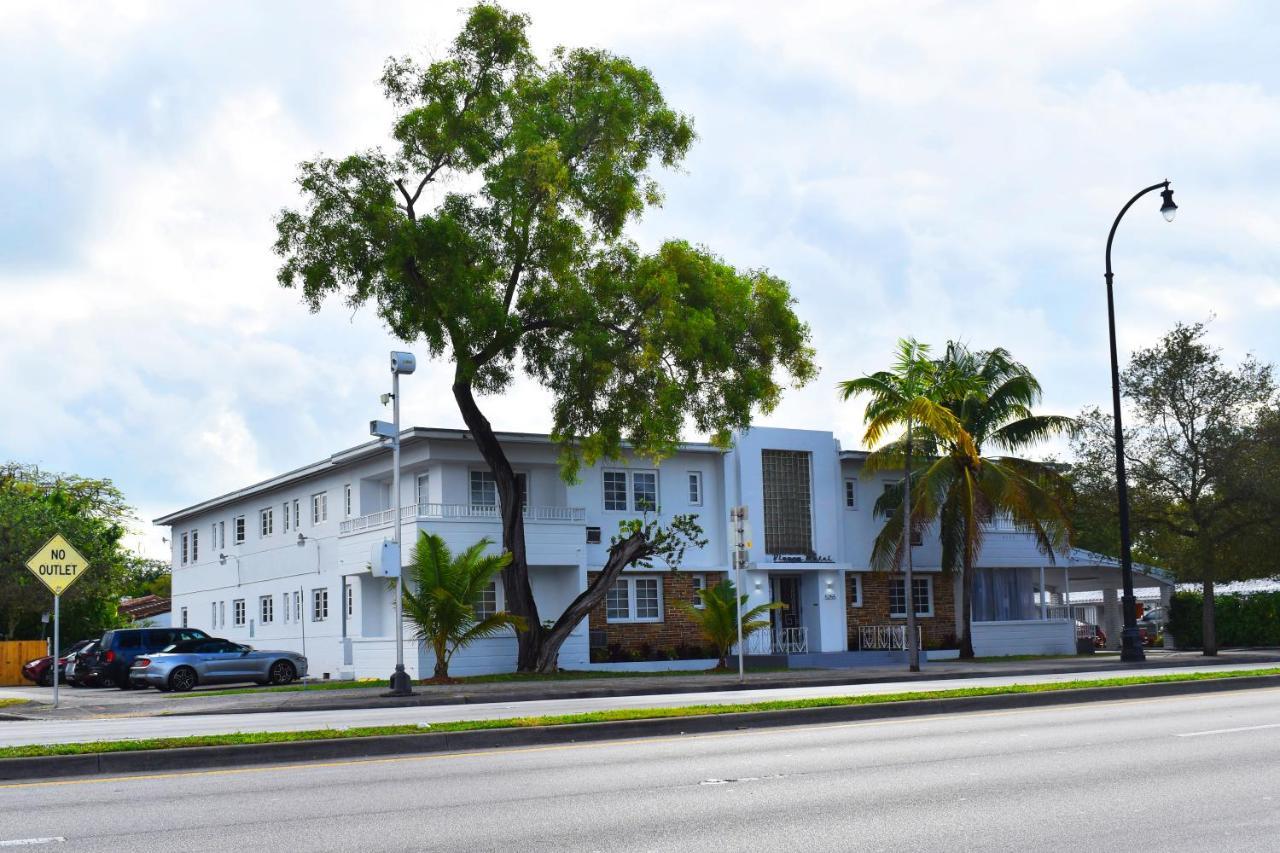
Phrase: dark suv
(118, 648)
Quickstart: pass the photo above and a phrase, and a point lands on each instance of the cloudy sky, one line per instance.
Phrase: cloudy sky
(943, 170)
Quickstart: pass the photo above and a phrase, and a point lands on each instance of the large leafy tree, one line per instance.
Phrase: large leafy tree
(492, 233)
(1201, 447)
(964, 488)
(907, 396)
(92, 515)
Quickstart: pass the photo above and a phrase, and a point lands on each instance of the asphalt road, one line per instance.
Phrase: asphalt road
(1188, 773)
(17, 732)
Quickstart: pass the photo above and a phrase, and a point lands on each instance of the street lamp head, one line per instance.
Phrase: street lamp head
(1169, 209)
(403, 363)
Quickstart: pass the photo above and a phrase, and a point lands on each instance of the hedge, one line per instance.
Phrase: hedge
(1242, 620)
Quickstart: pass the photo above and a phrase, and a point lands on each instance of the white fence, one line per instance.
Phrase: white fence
(787, 641)
(454, 512)
(887, 638)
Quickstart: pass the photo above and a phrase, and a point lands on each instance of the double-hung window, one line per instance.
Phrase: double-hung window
(266, 522)
(266, 610)
(319, 604)
(319, 508)
(695, 488)
(850, 493)
(634, 491)
(423, 489)
(923, 597)
(297, 515)
(484, 490)
(237, 611)
(699, 587)
(634, 599)
(237, 529)
(486, 604)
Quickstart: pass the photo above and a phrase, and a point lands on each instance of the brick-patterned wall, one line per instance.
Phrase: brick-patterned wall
(675, 629)
(938, 629)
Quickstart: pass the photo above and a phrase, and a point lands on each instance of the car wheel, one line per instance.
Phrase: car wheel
(283, 672)
(182, 679)
(46, 680)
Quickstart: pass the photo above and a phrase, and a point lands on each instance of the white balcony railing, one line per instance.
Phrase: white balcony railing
(460, 512)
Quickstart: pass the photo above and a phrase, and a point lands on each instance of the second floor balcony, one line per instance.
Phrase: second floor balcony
(460, 512)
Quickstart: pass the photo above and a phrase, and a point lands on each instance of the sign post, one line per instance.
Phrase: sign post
(738, 517)
(58, 565)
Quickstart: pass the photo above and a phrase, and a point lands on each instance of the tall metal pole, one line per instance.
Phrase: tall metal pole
(739, 557)
(399, 681)
(1130, 639)
(911, 644)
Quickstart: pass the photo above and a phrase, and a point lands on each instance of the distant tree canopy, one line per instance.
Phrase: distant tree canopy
(1202, 448)
(93, 516)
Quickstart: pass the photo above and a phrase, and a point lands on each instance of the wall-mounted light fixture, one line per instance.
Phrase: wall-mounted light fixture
(302, 540)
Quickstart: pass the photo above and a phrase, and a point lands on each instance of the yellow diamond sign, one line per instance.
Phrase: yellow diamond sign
(57, 564)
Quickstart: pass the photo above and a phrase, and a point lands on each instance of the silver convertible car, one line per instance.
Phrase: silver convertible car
(210, 660)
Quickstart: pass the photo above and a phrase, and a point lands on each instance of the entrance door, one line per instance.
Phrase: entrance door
(786, 589)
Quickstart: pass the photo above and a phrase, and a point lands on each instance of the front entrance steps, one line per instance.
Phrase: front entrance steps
(828, 660)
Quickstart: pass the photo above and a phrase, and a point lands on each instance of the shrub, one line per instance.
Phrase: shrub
(1240, 620)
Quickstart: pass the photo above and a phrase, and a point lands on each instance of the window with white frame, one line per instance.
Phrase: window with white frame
(183, 549)
(184, 617)
(346, 501)
(350, 604)
(297, 514)
(699, 586)
(695, 488)
(222, 613)
(422, 489)
(487, 603)
(284, 607)
(484, 489)
(297, 605)
(213, 616)
(195, 545)
(319, 508)
(266, 522)
(855, 590)
(237, 529)
(266, 610)
(222, 534)
(284, 516)
(319, 604)
(923, 597)
(634, 599)
(634, 491)
(850, 493)
(237, 611)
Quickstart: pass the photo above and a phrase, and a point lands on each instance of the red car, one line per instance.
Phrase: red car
(40, 671)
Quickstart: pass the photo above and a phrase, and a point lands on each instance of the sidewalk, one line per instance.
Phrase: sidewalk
(94, 704)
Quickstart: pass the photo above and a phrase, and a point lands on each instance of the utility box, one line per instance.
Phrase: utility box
(385, 560)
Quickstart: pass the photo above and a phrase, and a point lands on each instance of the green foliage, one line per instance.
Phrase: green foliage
(1240, 620)
(717, 619)
(441, 594)
(93, 516)
(531, 266)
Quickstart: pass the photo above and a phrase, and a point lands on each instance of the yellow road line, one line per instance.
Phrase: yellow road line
(560, 747)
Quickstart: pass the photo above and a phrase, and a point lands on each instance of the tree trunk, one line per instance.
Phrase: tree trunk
(515, 577)
(621, 555)
(1207, 621)
(913, 635)
(966, 606)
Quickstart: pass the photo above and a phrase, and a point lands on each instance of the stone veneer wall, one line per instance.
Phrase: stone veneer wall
(938, 630)
(675, 629)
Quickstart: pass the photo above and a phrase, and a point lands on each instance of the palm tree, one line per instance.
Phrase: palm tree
(991, 396)
(907, 395)
(718, 615)
(440, 599)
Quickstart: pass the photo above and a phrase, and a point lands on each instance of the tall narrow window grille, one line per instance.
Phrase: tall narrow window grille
(788, 502)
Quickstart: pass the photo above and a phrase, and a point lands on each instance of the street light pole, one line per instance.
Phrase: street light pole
(401, 362)
(1130, 640)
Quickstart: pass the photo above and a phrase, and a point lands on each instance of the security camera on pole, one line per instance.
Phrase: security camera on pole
(386, 560)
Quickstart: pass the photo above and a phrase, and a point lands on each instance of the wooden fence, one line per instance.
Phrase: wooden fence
(13, 654)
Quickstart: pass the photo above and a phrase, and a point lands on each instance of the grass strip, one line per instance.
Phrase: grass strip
(4, 703)
(38, 750)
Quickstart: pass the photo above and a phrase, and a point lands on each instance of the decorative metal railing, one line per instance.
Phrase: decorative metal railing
(786, 641)
(874, 638)
(426, 511)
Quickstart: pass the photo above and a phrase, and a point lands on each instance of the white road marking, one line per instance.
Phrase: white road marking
(1229, 731)
(23, 842)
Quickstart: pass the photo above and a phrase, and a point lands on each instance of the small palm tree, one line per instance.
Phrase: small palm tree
(440, 598)
(717, 619)
(909, 394)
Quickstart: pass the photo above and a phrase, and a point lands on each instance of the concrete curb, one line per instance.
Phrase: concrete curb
(245, 755)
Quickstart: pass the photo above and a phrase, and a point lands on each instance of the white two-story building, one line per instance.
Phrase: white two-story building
(285, 563)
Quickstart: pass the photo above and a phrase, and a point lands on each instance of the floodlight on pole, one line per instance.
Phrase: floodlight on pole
(402, 363)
